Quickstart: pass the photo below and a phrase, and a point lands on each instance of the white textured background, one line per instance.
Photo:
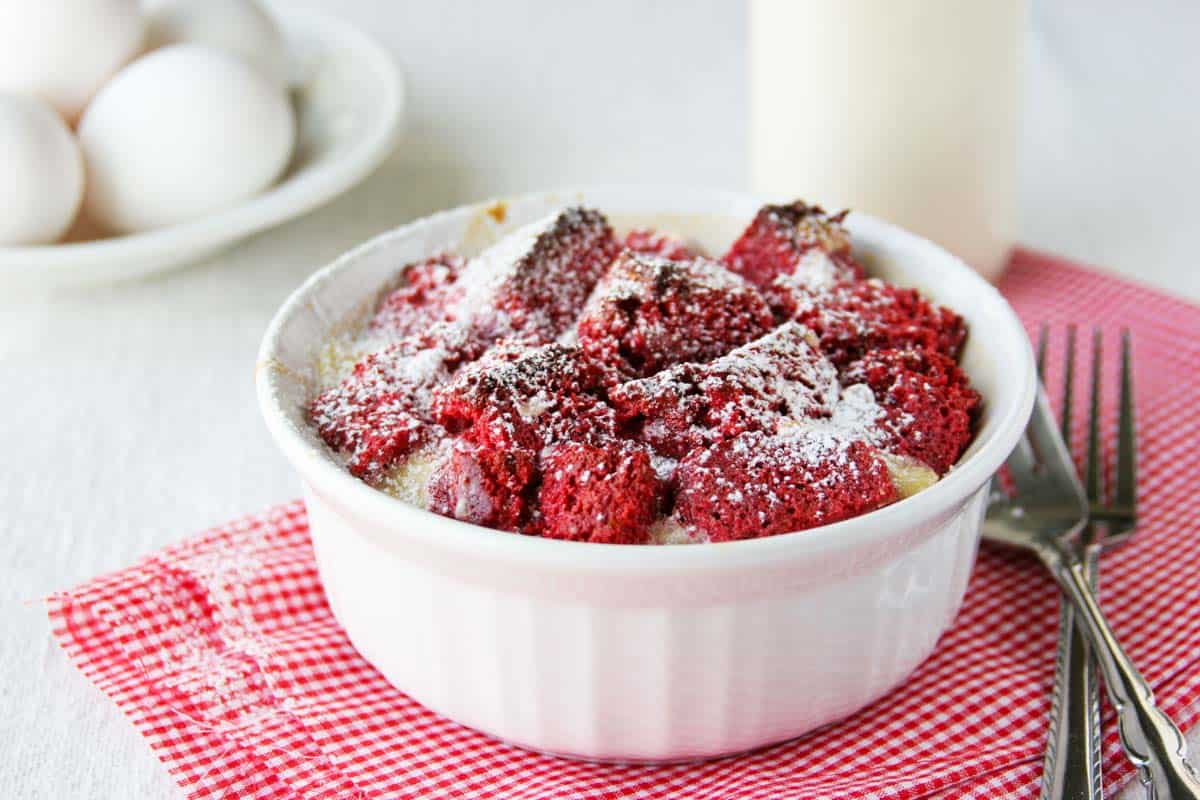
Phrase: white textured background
(127, 416)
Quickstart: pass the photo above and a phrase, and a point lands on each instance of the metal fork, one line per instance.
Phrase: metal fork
(1072, 766)
(1046, 516)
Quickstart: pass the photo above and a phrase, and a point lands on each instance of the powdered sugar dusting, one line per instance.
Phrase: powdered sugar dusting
(855, 416)
(532, 284)
(779, 376)
(664, 466)
(815, 271)
(486, 273)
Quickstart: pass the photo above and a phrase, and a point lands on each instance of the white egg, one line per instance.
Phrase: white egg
(240, 27)
(63, 50)
(41, 172)
(181, 133)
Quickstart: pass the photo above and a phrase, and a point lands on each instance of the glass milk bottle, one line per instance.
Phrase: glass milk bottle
(904, 109)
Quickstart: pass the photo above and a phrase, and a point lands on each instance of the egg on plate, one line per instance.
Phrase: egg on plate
(64, 50)
(42, 172)
(180, 133)
(240, 27)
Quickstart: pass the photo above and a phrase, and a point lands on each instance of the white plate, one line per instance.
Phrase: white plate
(349, 100)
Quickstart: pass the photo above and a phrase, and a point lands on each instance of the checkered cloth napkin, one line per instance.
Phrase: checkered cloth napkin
(224, 654)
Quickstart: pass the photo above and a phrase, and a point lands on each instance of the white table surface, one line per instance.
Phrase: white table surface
(127, 416)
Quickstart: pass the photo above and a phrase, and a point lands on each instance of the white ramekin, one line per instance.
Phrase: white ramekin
(642, 652)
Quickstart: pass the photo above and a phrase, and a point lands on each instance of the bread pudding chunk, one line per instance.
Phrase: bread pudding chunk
(779, 376)
(797, 243)
(761, 484)
(855, 318)
(650, 312)
(531, 285)
(426, 295)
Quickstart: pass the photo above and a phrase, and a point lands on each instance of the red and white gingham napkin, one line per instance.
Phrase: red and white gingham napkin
(223, 652)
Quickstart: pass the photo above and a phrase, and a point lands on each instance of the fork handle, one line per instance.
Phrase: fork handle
(1151, 740)
(1072, 767)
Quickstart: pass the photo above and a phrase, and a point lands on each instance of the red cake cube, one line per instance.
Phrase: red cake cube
(780, 237)
(648, 313)
(855, 317)
(751, 389)
(506, 409)
(762, 484)
(426, 295)
(484, 485)
(381, 411)
(649, 242)
(531, 285)
(929, 405)
(599, 493)
(529, 397)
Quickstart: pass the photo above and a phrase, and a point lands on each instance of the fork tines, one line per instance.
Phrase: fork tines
(1122, 508)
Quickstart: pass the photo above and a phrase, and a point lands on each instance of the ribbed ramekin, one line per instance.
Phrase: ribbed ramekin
(640, 652)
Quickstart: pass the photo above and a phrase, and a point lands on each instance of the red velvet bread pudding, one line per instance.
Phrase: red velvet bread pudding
(575, 382)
